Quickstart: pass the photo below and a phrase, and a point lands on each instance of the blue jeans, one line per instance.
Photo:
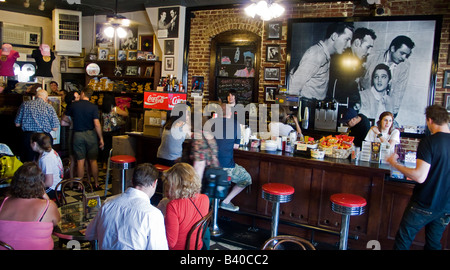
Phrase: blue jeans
(414, 219)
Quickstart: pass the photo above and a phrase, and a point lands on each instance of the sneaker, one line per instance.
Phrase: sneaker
(229, 206)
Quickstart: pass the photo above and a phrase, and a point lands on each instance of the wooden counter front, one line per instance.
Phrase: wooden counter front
(314, 182)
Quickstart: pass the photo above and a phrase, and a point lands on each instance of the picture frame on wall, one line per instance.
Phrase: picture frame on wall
(169, 47)
(103, 54)
(270, 92)
(148, 72)
(446, 83)
(131, 55)
(168, 22)
(273, 53)
(274, 30)
(447, 102)
(121, 55)
(412, 90)
(146, 43)
(132, 71)
(169, 64)
(272, 73)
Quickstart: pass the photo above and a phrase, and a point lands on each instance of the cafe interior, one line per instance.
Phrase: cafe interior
(154, 54)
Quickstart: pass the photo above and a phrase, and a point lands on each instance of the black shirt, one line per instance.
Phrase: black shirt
(359, 131)
(434, 193)
(83, 114)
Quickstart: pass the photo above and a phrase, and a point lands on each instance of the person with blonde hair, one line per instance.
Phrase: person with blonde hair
(185, 206)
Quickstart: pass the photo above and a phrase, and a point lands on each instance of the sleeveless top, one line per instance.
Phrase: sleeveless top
(27, 235)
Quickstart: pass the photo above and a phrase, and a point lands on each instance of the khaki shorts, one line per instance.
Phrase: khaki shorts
(239, 176)
(85, 145)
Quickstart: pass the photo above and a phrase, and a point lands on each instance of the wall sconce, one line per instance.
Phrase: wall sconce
(42, 5)
(266, 10)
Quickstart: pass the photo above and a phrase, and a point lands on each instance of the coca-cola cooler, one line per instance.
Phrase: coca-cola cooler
(156, 105)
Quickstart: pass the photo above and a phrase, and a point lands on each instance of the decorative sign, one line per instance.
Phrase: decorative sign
(163, 100)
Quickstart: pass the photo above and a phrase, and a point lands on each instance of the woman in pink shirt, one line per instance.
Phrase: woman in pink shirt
(186, 205)
(27, 216)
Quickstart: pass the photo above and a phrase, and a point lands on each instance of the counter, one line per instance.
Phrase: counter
(309, 213)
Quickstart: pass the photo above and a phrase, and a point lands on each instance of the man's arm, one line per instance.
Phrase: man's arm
(418, 174)
(98, 129)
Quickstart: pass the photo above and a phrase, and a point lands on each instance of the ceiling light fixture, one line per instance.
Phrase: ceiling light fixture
(26, 3)
(266, 10)
(116, 25)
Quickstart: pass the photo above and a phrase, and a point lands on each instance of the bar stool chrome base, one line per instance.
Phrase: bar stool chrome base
(215, 230)
(276, 193)
(123, 163)
(347, 205)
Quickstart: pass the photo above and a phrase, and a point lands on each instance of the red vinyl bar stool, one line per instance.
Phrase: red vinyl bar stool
(161, 167)
(276, 193)
(347, 205)
(123, 162)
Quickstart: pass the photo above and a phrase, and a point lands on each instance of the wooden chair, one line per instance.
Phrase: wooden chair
(61, 195)
(274, 242)
(6, 246)
(199, 228)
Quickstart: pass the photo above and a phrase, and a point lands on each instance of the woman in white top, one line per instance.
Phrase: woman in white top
(49, 162)
(280, 128)
(384, 131)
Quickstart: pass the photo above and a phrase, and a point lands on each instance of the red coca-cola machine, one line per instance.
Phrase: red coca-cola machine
(162, 100)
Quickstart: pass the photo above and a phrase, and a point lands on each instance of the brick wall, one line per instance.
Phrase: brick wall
(208, 23)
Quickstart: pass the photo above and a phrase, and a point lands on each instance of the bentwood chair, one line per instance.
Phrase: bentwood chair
(296, 242)
(60, 190)
(6, 246)
(198, 229)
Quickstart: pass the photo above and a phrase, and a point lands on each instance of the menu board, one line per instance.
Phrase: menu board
(243, 87)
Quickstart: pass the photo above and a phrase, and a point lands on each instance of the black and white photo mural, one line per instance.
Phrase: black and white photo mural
(372, 64)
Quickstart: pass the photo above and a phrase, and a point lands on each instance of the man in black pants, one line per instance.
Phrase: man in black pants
(429, 205)
(87, 136)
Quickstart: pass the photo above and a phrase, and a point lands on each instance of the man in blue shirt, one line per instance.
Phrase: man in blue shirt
(36, 116)
(228, 133)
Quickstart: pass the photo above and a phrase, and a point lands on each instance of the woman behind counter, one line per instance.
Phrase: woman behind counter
(27, 216)
(281, 128)
(384, 131)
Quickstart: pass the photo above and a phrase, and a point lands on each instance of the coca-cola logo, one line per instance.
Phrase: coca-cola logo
(153, 100)
(176, 100)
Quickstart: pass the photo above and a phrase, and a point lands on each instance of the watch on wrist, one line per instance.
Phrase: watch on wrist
(379, 135)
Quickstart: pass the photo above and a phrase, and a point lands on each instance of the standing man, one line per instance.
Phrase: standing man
(227, 139)
(310, 79)
(128, 220)
(429, 205)
(87, 136)
(54, 91)
(395, 58)
(347, 68)
(35, 116)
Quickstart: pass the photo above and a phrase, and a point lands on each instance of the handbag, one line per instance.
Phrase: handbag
(9, 165)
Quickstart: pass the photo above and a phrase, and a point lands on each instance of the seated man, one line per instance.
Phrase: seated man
(358, 124)
(128, 220)
(226, 145)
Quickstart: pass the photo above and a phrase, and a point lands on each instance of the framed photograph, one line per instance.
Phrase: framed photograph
(132, 71)
(140, 55)
(169, 64)
(272, 73)
(168, 21)
(273, 53)
(413, 82)
(111, 57)
(131, 55)
(101, 40)
(148, 72)
(103, 54)
(75, 62)
(274, 30)
(169, 47)
(270, 92)
(130, 42)
(146, 43)
(446, 79)
(55, 101)
(447, 102)
(448, 57)
(121, 55)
